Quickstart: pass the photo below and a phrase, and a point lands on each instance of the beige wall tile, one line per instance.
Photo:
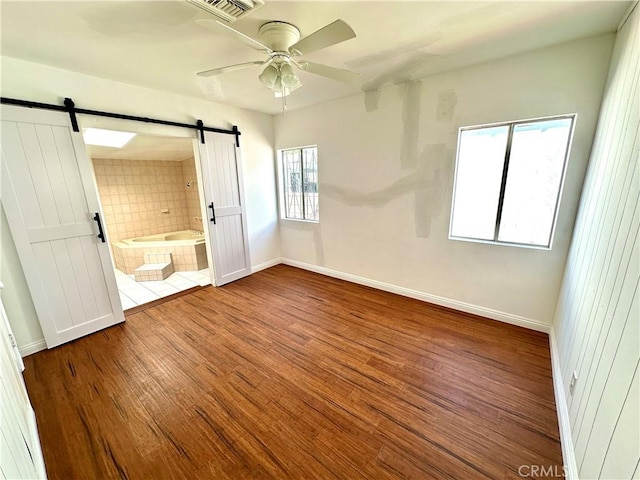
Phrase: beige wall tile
(132, 194)
(193, 198)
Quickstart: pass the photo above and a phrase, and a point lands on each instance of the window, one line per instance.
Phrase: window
(508, 181)
(300, 183)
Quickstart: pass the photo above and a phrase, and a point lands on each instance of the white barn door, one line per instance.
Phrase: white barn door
(226, 214)
(20, 450)
(50, 200)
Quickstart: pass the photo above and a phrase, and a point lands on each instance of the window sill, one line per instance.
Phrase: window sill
(299, 220)
(500, 244)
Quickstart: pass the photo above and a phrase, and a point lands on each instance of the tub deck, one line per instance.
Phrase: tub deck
(188, 250)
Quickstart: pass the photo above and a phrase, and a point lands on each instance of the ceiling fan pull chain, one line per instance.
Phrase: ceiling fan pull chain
(284, 101)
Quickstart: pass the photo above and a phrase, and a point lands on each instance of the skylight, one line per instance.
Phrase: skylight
(106, 138)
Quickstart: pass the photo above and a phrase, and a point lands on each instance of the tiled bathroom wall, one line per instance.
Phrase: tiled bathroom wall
(193, 199)
(134, 194)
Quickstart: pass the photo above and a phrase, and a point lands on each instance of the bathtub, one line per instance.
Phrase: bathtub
(182, 237)
(187, 249)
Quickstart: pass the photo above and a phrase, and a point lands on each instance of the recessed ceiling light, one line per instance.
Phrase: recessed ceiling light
(106, 138)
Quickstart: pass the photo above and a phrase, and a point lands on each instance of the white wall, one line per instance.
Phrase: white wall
(597, 320)
(386, 177)
(40, 83)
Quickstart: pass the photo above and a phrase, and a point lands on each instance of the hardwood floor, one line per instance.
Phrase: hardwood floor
(290, 374)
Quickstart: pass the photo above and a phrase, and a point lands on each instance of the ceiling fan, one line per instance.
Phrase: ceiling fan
(281, 42)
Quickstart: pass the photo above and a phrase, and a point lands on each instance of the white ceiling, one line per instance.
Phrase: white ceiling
(158, 44)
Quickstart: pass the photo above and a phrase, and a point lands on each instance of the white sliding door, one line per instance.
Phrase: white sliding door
(20, 451)
(226, 215)
(50, 200)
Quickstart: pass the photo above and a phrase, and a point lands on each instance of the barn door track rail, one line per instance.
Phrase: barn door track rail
(70, 107)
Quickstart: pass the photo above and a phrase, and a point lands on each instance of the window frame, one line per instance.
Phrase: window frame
(282, 183)
(505, 173)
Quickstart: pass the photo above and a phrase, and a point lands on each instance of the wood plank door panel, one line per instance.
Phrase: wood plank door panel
(50, 198)
(223, 190)
(20, 451)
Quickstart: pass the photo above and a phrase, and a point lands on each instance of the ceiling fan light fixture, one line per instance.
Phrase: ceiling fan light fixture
(283, 92)
(281, 42)
(277, 86)
(289, 77)
(269, 76)
(292, 85)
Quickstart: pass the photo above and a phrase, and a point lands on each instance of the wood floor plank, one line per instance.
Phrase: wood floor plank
(291, 374)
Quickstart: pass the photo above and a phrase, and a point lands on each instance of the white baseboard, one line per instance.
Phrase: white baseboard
(568, 455)
(564, 423)
(265, 265)
(33, 347)
(426, 297)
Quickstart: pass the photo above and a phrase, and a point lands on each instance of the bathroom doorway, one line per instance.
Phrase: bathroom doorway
(151, 199)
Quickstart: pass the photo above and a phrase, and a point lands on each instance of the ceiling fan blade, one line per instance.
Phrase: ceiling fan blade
(338, 74)
(220, 27)
(328, 35)
(230, 68)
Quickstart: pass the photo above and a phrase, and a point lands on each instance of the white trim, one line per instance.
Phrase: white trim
(495, 241)
(280, 184)
(564, 423)
(426, 297)
(265, 265)
(38, 458)
(626, 16)
(298, 220)
(31, 348)
(299, 147)
(499, 244)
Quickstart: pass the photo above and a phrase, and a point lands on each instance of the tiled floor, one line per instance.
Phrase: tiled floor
(134, 293)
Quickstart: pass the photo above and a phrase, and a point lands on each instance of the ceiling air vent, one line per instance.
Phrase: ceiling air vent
(228, 10)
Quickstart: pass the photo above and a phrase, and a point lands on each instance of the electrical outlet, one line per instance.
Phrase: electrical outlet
(574, 379)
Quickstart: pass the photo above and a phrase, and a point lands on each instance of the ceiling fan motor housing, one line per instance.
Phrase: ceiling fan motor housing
(279, 36)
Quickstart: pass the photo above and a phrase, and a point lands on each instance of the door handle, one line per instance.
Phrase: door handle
(213, 213)
(100, 235)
